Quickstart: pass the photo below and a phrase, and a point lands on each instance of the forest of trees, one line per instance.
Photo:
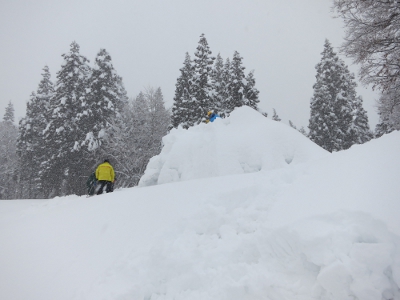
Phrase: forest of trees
(74, 124)
(71, 125)
(210, 84)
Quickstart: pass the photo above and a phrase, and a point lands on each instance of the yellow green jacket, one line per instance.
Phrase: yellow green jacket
(105, 172)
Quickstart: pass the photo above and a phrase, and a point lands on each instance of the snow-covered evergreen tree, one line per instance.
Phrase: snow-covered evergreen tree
(237, 83)
(122, 95)
(226, 96)
(31, 148)
(275, 116)
(103, 103)
(206, 86)
(360, 122)
(219, 86)
(241, 89)
(9, 114)
(159, 117)
(183, 95)
(64, 169)
(8, 157)
(201, 101)
(250, 91)
(332, 105)
(345, 135)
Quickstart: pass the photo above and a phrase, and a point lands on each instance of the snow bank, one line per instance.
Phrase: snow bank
(243, 143)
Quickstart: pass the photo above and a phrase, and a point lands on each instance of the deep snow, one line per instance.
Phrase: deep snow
(248, 209)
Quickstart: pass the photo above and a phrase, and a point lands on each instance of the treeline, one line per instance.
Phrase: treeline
(72, 125)
(207, 84)
(337, 120)
(86, 116)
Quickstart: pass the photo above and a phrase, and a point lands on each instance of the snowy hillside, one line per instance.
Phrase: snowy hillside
(260, 218)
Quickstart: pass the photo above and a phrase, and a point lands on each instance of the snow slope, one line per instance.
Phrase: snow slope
(324, 226)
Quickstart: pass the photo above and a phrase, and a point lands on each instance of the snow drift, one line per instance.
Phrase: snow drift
(243, 143)
(324, 226)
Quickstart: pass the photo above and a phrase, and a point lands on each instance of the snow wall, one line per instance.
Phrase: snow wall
(245, 142)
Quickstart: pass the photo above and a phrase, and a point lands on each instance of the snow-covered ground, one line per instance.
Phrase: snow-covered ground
(243, 208)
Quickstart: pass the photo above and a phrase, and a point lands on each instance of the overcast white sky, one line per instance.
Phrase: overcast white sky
(147, 40)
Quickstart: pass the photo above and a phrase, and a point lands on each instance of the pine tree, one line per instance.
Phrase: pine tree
(250, 92)
(9, 114)
(237, 83)
(122, 95)
(275, 116)
(204, 86)
(159, 118)
(218, 86)
(360, 122)
(64, 169)
(31, 148)
(345, 134)
(332, 103)
(102, 104)
(226, 97)
(201, 103)
(8, 158)
(183, 95)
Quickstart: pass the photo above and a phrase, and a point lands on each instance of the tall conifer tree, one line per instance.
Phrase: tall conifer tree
(102, 104)
(361, 128)
(331, 120)
(218, 86)
(9, 114)
(183, 95)
(250, 91)
(64, 167)
(226, 96)
(237, 83)
(8, 158)
(201, 101)
(31, 147)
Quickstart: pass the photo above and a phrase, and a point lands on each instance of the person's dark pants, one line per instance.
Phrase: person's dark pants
(104, 185)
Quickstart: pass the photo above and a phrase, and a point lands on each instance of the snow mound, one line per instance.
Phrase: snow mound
(245, 142)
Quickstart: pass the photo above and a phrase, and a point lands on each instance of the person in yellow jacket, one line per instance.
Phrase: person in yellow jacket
(105, 177)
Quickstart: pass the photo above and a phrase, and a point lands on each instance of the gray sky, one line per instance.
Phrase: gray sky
(148, 39)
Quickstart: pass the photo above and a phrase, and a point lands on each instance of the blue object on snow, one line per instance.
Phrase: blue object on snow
(213, 117)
